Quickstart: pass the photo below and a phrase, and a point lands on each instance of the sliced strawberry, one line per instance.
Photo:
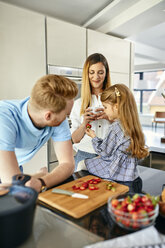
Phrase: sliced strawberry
(98, 180)
(85, 184)
(93, 188)
(75, 187)
(95, 182)
(82, 188)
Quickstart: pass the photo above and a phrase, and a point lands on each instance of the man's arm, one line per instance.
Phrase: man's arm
(8, 166)
(64, 153)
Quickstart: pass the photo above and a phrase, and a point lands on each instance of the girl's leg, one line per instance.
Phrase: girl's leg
(80, 155)
(137, 185)
(81, 166)
(134, 186)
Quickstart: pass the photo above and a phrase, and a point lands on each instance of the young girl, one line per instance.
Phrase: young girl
(124, 145)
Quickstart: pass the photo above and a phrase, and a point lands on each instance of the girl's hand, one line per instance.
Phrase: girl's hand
(101, 114)
(90, 133)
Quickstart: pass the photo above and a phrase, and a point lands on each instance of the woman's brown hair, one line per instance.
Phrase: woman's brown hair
(121, 95)
(86, 94)
(52, 91)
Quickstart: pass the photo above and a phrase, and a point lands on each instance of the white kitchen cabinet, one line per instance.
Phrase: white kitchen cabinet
(38, 161)
(66, 43)
(22, 50)
(120, 78)
(22, 60)
(117, 51)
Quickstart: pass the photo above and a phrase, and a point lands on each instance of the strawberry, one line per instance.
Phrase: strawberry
(82, 188)
(93, 188)
(75, 187)
(85, 185)
(88, 125)
(130, 207)
(135, 225)
(144, 198)
(134, 215)
(98, 180)
(114, 203)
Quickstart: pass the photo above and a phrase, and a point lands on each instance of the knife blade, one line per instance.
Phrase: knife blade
(72, 194)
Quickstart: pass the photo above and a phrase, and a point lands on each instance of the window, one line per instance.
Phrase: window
(148, 87)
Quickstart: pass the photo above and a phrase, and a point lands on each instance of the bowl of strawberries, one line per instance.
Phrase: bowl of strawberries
(134, 211)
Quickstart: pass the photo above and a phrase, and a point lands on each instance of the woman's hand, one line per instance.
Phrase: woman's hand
(90, 133)
(79, 133)
(88, 116)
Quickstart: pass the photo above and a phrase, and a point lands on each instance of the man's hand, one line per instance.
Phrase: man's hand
(34, 183)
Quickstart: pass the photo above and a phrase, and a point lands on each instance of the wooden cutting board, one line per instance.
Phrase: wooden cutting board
(76, 207)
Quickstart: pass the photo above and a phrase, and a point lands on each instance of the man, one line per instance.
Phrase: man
(26, 125)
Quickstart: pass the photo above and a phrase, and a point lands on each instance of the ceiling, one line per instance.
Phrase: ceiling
(140, 21)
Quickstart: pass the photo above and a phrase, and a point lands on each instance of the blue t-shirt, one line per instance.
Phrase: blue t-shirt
(17, 132)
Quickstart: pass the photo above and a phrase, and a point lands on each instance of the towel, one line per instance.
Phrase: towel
(148, 236)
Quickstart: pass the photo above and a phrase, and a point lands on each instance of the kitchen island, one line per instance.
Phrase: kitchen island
(52, 231)
(53, 228)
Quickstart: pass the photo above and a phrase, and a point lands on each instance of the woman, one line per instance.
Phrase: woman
(96, 78)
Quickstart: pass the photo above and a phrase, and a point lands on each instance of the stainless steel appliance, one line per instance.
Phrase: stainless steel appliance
(74, 74)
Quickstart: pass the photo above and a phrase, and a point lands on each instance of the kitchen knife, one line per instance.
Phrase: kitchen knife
(67, 192)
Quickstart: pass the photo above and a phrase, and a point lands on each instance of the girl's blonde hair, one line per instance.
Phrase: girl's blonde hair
(86, 91)
(128, 115)
(52, 91)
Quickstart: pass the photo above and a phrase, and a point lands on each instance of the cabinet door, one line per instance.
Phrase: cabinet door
(22, 50)
(38, 161)
(116, 51)
(66, 43)
(120, 78)
(22, 60)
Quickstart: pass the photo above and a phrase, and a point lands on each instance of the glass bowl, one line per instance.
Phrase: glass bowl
(133, 211)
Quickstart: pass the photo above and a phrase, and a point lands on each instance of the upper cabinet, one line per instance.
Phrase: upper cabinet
(22, 50)
(117, 52)
(66, 43)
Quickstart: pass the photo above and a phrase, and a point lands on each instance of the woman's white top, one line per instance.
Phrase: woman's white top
(99, 126)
